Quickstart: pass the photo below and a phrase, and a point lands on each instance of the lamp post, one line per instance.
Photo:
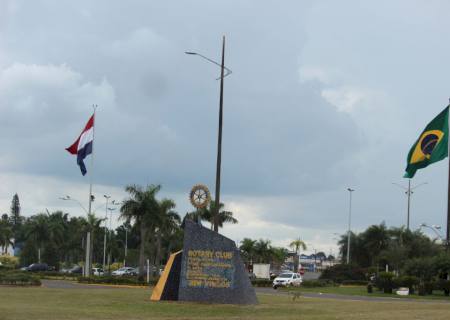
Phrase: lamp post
(408, 192)
(350, 190)
(219, 141)
(106, 230)
(87, 261)
(110, 233)
(126, 247)
(435, 229)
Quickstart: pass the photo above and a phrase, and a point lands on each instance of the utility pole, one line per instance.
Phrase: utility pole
(349, 224)
(106, 231)
(408, 191)
(219, 142)
(215, 221)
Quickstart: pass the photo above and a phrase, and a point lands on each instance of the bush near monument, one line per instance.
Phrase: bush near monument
(133, 281)
(18, 278)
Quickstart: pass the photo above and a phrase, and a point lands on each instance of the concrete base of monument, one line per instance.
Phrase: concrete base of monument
(209, 270)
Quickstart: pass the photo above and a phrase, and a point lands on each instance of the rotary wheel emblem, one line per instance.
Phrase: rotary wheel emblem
(200, 196)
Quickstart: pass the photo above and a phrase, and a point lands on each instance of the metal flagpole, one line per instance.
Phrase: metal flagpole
(409, 203)
(447, 239)
(89, 241)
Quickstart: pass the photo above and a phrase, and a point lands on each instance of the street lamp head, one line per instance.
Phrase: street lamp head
(436, 226)
(350, 189)
(106, 196)
(190, 52)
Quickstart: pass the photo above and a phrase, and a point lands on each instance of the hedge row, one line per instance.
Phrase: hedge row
(354, 282)
(18, 278)
(134, 281)
(318, 283)
(261, 282)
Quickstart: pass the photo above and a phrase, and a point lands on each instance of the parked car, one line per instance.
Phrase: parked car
(76, 270)
(97, 271)
(287, 279)
(34, 267)
(125, 271)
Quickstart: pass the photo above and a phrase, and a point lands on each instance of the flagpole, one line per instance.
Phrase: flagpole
(447, 239)
(89, 241)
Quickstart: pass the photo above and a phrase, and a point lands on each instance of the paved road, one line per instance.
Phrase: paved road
(63, 284)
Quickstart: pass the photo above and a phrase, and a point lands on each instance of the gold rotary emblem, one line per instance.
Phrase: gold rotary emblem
(200, 196)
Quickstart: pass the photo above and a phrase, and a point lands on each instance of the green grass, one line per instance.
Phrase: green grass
(130, 304)
(362, 291)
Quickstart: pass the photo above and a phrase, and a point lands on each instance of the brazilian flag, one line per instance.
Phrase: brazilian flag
(432, 145)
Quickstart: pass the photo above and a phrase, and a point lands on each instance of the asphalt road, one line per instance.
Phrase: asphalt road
(62, 284)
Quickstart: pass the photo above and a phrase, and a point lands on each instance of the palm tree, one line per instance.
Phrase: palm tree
(296, 245)
(247, 248)
(92, 225)
(167, 223)
(37, 229)
(208, 214)
(263, 251)
(142, 208)
(6, 234)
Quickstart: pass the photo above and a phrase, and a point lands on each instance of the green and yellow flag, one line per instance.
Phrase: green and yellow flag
(432, 145)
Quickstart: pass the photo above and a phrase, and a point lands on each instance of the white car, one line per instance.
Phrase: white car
(97, 271)
(287, 279)
(124, 271)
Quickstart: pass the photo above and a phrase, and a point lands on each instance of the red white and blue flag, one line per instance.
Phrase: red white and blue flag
(82, 147)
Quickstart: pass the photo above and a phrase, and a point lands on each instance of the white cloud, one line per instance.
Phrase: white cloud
(346, 98)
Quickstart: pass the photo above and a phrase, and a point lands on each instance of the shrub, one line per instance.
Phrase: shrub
(354, 283)
(261, 283)
(9, 261)
(406, 281)
(317, 283)
(18, 278)
(135, 281)
(115, 266)
(444, 285)
(341, 272)
(385, 281)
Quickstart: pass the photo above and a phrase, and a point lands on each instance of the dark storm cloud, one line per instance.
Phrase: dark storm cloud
(158, 118)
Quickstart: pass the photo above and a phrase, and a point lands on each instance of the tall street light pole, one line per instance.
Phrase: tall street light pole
(408, 192)
(106, 230)
(350, 190)
(110, 240)
(219, 140)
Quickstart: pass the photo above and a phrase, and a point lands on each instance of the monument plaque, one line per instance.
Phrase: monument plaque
(212, 269)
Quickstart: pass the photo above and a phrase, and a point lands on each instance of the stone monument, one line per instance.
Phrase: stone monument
(208, 269)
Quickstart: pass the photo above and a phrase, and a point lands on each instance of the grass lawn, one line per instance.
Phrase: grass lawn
(58, 304)
(362, 291)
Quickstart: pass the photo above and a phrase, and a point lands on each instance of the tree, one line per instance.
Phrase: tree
(141, 208)
(92, 225)
(248, 249)
(6, 234)
(208, 214)
(296, 245)
(15, 218)
(37, 229)
(262, 251)
(166, 224)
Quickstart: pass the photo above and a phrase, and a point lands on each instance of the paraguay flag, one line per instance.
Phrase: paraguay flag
(82, 147)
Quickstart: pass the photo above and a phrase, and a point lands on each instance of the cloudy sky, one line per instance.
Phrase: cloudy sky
(324, 95)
